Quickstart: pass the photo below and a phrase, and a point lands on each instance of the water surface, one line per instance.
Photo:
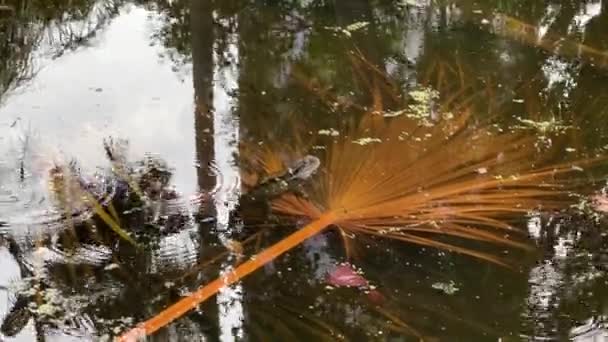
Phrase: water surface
(200, 85)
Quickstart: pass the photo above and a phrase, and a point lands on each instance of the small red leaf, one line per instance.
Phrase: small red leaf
(600, 203)
(345, 275)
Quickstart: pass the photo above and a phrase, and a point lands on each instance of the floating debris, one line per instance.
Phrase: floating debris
(111, 266)
(447, 288)
(329, 132)
(411, 3)
(544, 127)
(348, 30)
(395, 113)
(357, 26)
(346, 275)
(367, 141)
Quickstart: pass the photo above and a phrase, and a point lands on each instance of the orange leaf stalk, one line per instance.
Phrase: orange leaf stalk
(188, 303)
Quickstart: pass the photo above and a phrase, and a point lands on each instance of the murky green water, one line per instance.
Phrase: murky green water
(208, 87)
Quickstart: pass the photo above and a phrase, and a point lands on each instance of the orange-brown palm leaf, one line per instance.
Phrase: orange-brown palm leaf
(442, 180)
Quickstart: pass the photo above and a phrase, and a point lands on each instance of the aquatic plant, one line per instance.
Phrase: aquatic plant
(70, 192)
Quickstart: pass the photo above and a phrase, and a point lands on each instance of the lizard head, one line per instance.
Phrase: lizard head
(304, 167)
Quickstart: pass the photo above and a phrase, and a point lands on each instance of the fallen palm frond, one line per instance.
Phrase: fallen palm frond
(429, 181)
(458, 182)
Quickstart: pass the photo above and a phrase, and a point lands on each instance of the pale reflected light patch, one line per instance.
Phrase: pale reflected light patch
(558, 72)
(180, 249)
(420, 4)
(226, 137)
(319, 257)
(586, 12)
(453, 14)
(545, 280)
(295, 53)
(534, 226)
(547, 20)
(414, 37)
(226, 130)
(563, 246)
(413, 41)
(230, 310)
(594, 330)
(122, 93)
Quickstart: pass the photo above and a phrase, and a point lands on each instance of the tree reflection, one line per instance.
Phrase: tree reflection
(43, 29)
(175, 28)
(568, 284)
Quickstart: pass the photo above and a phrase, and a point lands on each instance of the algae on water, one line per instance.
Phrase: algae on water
(544, 127)
(420, 107)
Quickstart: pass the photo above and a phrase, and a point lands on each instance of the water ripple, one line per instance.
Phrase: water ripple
(179, 250)
(203, 196)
